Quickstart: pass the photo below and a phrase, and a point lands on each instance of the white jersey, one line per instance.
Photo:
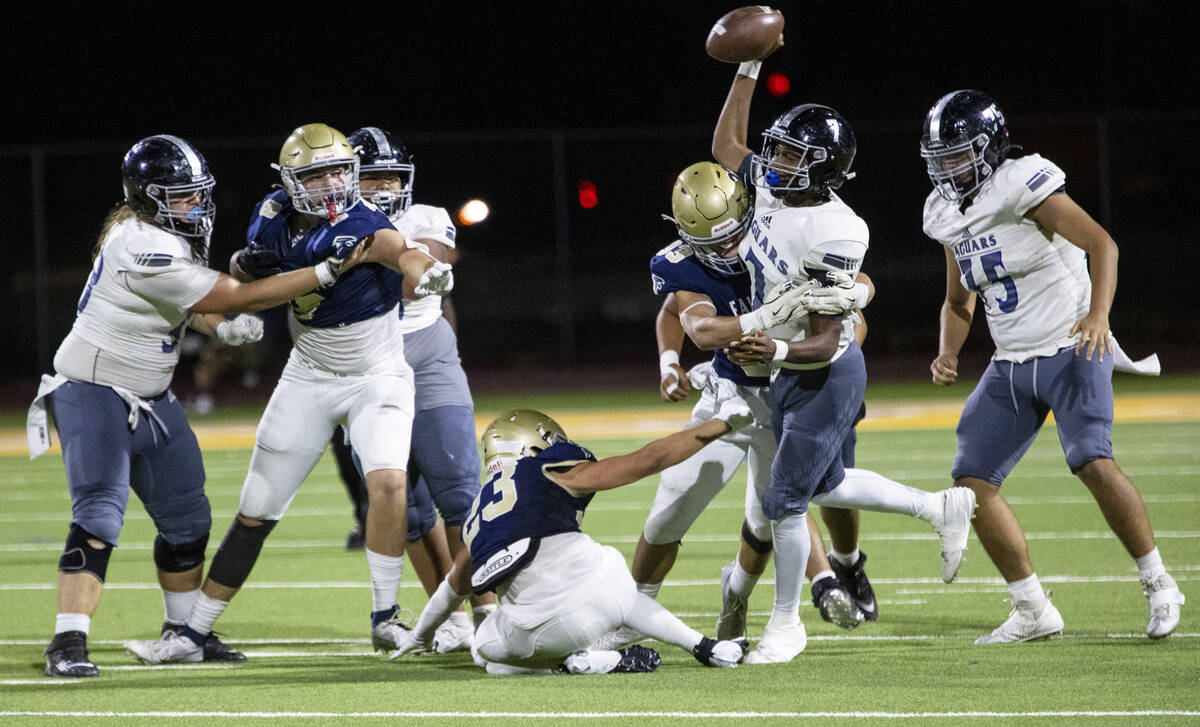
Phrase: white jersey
(1034, 286)
(797, 243)
(134, 309)
(424, 222)
(373, 346)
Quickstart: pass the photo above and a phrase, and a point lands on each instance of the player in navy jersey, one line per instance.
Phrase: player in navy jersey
(1046, 274)
(558, 589)
(346, 368)
(120, 426)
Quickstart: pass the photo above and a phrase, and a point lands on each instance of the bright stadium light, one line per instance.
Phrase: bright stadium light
(473, 212)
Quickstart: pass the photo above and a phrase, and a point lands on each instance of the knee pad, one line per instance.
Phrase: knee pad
(758, 545)
(80, 557)
(238, 552)
(172, 558)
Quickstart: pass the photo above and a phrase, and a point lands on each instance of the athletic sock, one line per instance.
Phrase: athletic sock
(205, 612)
(1027, 594)
(480, 613)
(177, 605)
(650, 589)
(386, 571)
(792, 548)
(1150, 565)
(845, 558)
(867, 490)
(741, 581)
(823, 575)
(72, 622)
(650, 618)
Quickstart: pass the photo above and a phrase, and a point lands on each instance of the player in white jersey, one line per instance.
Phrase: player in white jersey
(444, 460)
(120, 426)
(802, 234)
(1014, 240)
(346, 368)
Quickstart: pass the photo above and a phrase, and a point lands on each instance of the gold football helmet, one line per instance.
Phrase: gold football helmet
(518, 433)
(712, 209)
(309, 149)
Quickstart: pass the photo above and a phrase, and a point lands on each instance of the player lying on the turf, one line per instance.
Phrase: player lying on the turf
(558, 589)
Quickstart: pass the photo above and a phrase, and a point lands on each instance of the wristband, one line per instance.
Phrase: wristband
(324, 273)
(749, 321)
(749, 69)
(665, 360)
(781, 350)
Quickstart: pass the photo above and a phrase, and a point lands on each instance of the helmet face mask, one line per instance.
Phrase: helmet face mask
(381, 156)
(965, 139)
(167, 180)
(806, 153)
(518, 433)
(712, 210)
(311, 151)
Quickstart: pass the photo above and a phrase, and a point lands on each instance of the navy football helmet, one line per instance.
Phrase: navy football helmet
(964, 140)
(379, 151)
(161, 170)
(806, 153)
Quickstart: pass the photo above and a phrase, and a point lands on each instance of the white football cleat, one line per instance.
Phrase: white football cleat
(731, 623)
(781, 642)
(391, 634)
(456, 633)
(951, 521)
(1026, 624)
(618, 638)
(170, 649)
(1165, 600)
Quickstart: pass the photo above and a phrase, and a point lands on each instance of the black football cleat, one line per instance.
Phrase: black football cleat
(637, 659)
(356, 540)
(835, 604)
(67, 656)
(854, 580)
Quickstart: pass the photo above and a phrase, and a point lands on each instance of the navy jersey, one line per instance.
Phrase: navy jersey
(368, 290)
(515, 509)
(675, 267)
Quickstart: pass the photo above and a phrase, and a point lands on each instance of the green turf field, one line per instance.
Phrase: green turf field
(303, 615)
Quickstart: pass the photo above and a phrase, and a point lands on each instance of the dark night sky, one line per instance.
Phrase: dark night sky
(236, 78)
(216, 69)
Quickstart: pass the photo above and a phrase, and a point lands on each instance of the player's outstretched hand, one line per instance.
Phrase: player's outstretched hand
(258, 262)
(438, 279)
(944, 369)
(411, 645)
(245, 328)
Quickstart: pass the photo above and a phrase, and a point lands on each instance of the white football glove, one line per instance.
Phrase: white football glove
(781, 304)
(731, 407)
(438, 279)
(843, 296)
(410, 644)
(243, 329)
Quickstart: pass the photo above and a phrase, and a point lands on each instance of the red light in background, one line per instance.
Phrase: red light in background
(587, 194)
(778, 84)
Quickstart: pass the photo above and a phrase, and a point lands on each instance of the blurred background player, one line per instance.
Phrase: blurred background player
(444, 461)
(1046, 273)
(346, 368)
(120, 425)
(558, 589)
(804, 234)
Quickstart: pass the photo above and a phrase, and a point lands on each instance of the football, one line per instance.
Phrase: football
(745, 34)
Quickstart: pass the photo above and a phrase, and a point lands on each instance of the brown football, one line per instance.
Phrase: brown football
(745, 34)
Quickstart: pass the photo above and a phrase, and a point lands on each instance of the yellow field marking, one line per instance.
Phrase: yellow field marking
(643, 422)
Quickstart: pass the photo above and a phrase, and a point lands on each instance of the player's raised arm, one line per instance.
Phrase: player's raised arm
(744, 36)
(229, 295)
(390, 248)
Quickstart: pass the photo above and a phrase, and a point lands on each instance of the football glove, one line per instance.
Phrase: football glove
(781, 304)
(842, 296)
(258, 262)
(410, 644)
(243, 329)
(438, 279)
